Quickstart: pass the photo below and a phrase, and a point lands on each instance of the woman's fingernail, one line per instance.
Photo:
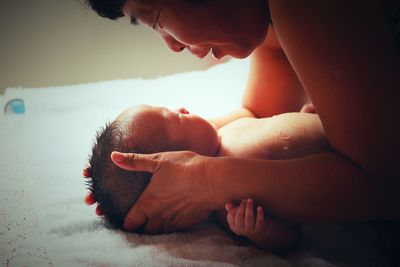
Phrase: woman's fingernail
(89, 199)
(118, 157)
(99, 212)
(86, 173)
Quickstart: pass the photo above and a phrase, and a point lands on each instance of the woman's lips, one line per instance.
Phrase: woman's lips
(200, 53)
(203, 53)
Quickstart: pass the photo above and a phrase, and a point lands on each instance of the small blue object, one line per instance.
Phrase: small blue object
(15, 106)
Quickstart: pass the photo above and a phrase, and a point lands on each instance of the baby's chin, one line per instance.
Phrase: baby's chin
(208, 148)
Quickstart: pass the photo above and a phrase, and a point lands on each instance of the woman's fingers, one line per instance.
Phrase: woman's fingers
(99, 212)
(89, 199)
(136, 162)
(159, 206)
(136, 218)
(86, 171)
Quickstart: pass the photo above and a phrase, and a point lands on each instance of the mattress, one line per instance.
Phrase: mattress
(45, 140)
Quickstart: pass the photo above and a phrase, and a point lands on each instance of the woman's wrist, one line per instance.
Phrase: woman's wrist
(220, 190)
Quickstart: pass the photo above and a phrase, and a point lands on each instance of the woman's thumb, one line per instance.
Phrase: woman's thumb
(135, 162)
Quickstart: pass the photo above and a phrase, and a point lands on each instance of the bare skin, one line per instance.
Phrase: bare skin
(266, 232)
(348, 68)
(283, 136)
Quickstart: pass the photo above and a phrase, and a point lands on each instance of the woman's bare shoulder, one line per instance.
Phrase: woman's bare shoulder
(346, 56)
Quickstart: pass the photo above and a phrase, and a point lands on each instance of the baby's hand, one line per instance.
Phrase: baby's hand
(244, 221)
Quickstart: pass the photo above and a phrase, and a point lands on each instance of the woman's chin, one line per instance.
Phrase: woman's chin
(241, 54)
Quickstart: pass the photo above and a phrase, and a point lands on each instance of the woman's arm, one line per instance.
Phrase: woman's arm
(315, 189)
(272, 88)
(321, 188)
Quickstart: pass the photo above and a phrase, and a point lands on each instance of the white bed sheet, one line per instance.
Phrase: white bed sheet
(45, 222)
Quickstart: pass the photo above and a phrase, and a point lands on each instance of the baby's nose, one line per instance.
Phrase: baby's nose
(182, 111)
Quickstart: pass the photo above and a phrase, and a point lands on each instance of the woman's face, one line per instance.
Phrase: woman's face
(224, 27)
(169, 130)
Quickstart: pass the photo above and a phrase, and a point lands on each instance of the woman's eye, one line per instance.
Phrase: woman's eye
(134, 21)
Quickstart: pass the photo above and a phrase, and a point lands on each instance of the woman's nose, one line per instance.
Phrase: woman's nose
(173, 44)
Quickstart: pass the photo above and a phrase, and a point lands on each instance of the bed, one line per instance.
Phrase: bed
(46, 135)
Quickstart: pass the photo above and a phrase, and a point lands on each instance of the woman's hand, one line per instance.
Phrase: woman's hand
(177, 196)
(89, 198)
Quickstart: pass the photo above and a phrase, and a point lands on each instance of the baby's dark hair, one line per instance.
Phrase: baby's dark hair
(111, 9)
(115, 189)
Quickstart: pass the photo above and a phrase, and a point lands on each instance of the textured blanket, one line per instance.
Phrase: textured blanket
(44, 222)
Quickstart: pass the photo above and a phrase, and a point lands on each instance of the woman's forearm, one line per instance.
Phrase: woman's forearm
(320, 188)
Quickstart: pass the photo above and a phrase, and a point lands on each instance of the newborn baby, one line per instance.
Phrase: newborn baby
(146, 129)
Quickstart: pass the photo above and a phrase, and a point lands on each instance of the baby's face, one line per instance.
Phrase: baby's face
(171, 130)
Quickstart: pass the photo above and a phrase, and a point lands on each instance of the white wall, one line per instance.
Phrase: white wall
(58, 42)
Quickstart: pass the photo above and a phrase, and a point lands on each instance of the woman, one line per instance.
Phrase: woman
(340, 55)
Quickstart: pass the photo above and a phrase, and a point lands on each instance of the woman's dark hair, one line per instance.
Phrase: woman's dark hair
(111, 9)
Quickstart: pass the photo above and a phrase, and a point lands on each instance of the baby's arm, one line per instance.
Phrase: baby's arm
(266, 232)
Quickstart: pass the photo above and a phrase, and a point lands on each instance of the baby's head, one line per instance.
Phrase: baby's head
(141, 129)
